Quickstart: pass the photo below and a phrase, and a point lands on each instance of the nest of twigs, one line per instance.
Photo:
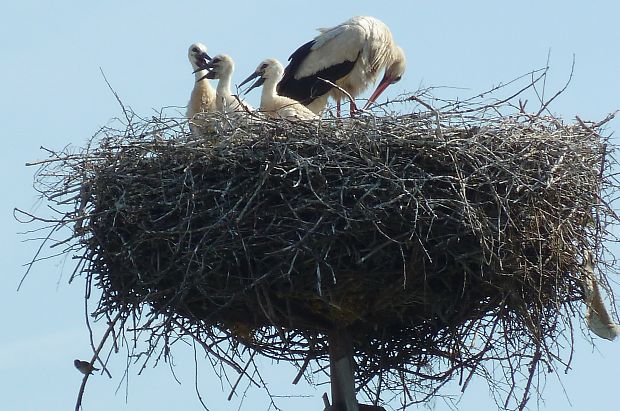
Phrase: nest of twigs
(439, 239)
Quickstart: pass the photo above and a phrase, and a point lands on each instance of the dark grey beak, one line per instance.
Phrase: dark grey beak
(202, 61)
(257, 83)
(210, 75)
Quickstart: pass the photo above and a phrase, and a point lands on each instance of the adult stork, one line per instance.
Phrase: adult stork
(221, 67)
(269, 73)
(349, 55)
(203, 94)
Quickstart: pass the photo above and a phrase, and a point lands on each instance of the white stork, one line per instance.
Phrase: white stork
(269, 72)
(221, 67)
(350, 55)
(202, 98)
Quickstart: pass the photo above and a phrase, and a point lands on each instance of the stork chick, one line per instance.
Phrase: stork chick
(221, 67)
(350, 55)
(269, 73)
(202, 99)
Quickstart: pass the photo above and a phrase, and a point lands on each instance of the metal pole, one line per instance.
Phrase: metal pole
(341, 368)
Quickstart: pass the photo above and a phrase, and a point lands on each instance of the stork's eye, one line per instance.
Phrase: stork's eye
(195, 50)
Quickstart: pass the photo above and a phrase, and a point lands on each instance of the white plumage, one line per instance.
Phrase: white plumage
(597, 318)
(202, 99)
(350, 55)
(269, 72)
(221, 67)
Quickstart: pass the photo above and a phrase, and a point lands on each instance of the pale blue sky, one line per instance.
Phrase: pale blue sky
(53, 94)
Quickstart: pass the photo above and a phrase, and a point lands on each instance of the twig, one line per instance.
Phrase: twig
(120, 102)
(560, 91)
(244, 372)
(337, 87)
(78, 403)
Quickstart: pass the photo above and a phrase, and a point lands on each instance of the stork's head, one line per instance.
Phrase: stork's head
(399, 63)
(198, 56)
(270, 69)
(393, 73)
(220, 66)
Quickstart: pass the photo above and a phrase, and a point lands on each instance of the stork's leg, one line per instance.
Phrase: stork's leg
(341, 370)
(338, 108)
(352, 108)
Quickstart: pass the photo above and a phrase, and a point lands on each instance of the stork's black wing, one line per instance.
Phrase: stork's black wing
(307, 89)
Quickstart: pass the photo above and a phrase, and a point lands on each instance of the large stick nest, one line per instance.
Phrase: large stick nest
(438, 239)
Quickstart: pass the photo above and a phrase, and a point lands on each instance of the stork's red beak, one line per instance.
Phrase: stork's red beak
(385, 82)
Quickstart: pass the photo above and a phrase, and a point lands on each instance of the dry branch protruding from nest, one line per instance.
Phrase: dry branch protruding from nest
(439, 239)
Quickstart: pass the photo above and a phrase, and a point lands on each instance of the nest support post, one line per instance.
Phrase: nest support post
(341, 368)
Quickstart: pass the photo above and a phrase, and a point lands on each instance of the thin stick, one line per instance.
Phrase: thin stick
(78, 404)
(120, 102)
(560, 91)
(234, 387)
(343, 91)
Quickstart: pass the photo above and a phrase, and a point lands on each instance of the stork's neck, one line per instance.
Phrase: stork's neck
(269, 89)
(200, 74)
(223, 85)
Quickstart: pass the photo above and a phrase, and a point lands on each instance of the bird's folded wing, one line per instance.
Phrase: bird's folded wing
(333, 47)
